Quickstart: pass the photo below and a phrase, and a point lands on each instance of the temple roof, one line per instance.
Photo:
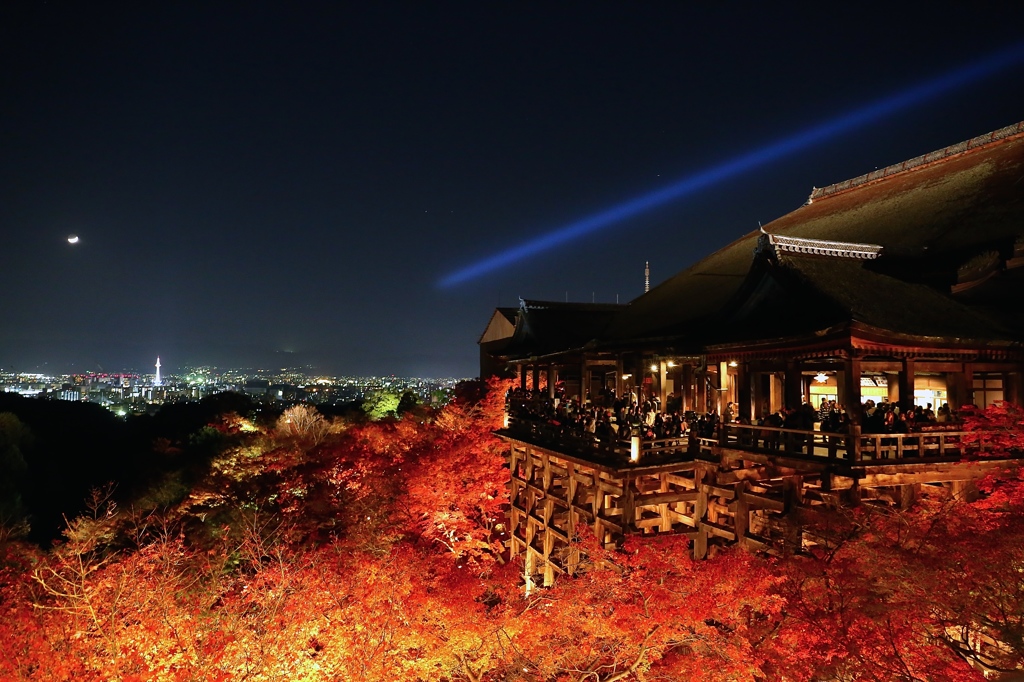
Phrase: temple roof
(789, 295)
(544, 327)
(921, 223)
(501, 326)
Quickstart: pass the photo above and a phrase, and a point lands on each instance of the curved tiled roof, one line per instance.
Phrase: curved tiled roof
(928, 219)
(544, 327)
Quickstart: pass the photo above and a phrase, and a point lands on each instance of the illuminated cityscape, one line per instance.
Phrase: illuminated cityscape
(126, 393)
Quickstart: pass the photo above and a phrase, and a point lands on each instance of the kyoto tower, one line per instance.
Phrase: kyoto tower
(157, 381)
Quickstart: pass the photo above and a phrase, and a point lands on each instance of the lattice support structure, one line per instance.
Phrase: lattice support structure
(722, 497)
(551, 494)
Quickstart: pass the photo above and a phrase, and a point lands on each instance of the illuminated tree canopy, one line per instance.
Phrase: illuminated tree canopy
(374, 551)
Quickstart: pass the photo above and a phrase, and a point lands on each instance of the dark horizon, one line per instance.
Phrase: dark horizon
(253, 184)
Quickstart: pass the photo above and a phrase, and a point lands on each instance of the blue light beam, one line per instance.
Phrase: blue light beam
(686, 186)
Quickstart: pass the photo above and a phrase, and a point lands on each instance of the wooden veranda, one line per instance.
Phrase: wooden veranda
(749, 485)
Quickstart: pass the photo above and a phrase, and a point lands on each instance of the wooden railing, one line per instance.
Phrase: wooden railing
(854, 446)
(568, 440)
(665, 447)
(812, 445)
(770, 439)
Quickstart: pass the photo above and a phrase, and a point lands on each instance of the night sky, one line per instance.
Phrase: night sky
(270, 185)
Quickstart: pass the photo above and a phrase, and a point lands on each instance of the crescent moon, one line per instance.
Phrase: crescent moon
(73, 239)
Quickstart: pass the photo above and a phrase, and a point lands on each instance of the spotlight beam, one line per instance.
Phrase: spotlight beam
(690, 184)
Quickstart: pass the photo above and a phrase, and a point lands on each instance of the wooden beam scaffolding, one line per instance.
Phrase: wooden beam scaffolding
(760, 501)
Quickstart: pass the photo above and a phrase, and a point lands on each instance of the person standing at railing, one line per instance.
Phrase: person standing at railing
(649, 414)
(605, 432)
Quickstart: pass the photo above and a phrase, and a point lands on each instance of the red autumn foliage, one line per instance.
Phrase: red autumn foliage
(373, 552)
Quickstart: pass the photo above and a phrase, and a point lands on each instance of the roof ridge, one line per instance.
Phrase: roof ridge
(541, 304)
(979, 142)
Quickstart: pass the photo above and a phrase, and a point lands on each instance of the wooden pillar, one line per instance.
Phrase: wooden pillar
(741, 518)
(700, 543)
(571, 486)
(964, 491)
(530, 567)
(702, 392)
(663, 509)
(636, 365)
(744, 395)
(907, 385)
(536, 377)
(687, 382)
(551, 381)
(522, 376)
(777, 400)
(958, 387)
(724, 395)
(892, 381)
(620, 385)
(908, 494)
(757, 380)
(548, 542)
(515, 490)
(1013, 389)
(848, 389)
(794, 392)
(584, 380)
(663, 383)
(628, 504)
(597, 508)
(715, 391)
(792, 495)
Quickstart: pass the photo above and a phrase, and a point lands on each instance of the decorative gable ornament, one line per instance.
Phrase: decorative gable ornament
(777, 244)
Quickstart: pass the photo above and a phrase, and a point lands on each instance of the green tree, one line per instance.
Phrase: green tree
(382, 404)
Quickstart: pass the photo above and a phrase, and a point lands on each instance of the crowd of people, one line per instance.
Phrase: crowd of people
(615, 419)
(610, 417)
(886, 417)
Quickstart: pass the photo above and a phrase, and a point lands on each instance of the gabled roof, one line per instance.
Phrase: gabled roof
(927, 219)
(501, 325)
(544, 327)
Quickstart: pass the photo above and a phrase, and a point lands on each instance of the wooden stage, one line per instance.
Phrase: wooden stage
(757, 487)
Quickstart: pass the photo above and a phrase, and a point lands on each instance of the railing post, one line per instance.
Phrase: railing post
(855, 453)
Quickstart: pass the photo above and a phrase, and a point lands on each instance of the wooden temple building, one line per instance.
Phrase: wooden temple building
(905, 285)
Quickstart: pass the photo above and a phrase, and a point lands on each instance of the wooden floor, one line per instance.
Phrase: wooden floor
(722, 492)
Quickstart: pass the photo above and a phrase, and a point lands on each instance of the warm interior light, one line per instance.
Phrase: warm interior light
(821, 377)
(671, 364)
(734, 364)
(634, 449)
(654, 368)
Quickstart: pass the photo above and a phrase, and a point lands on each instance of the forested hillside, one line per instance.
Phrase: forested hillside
(310, 548)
